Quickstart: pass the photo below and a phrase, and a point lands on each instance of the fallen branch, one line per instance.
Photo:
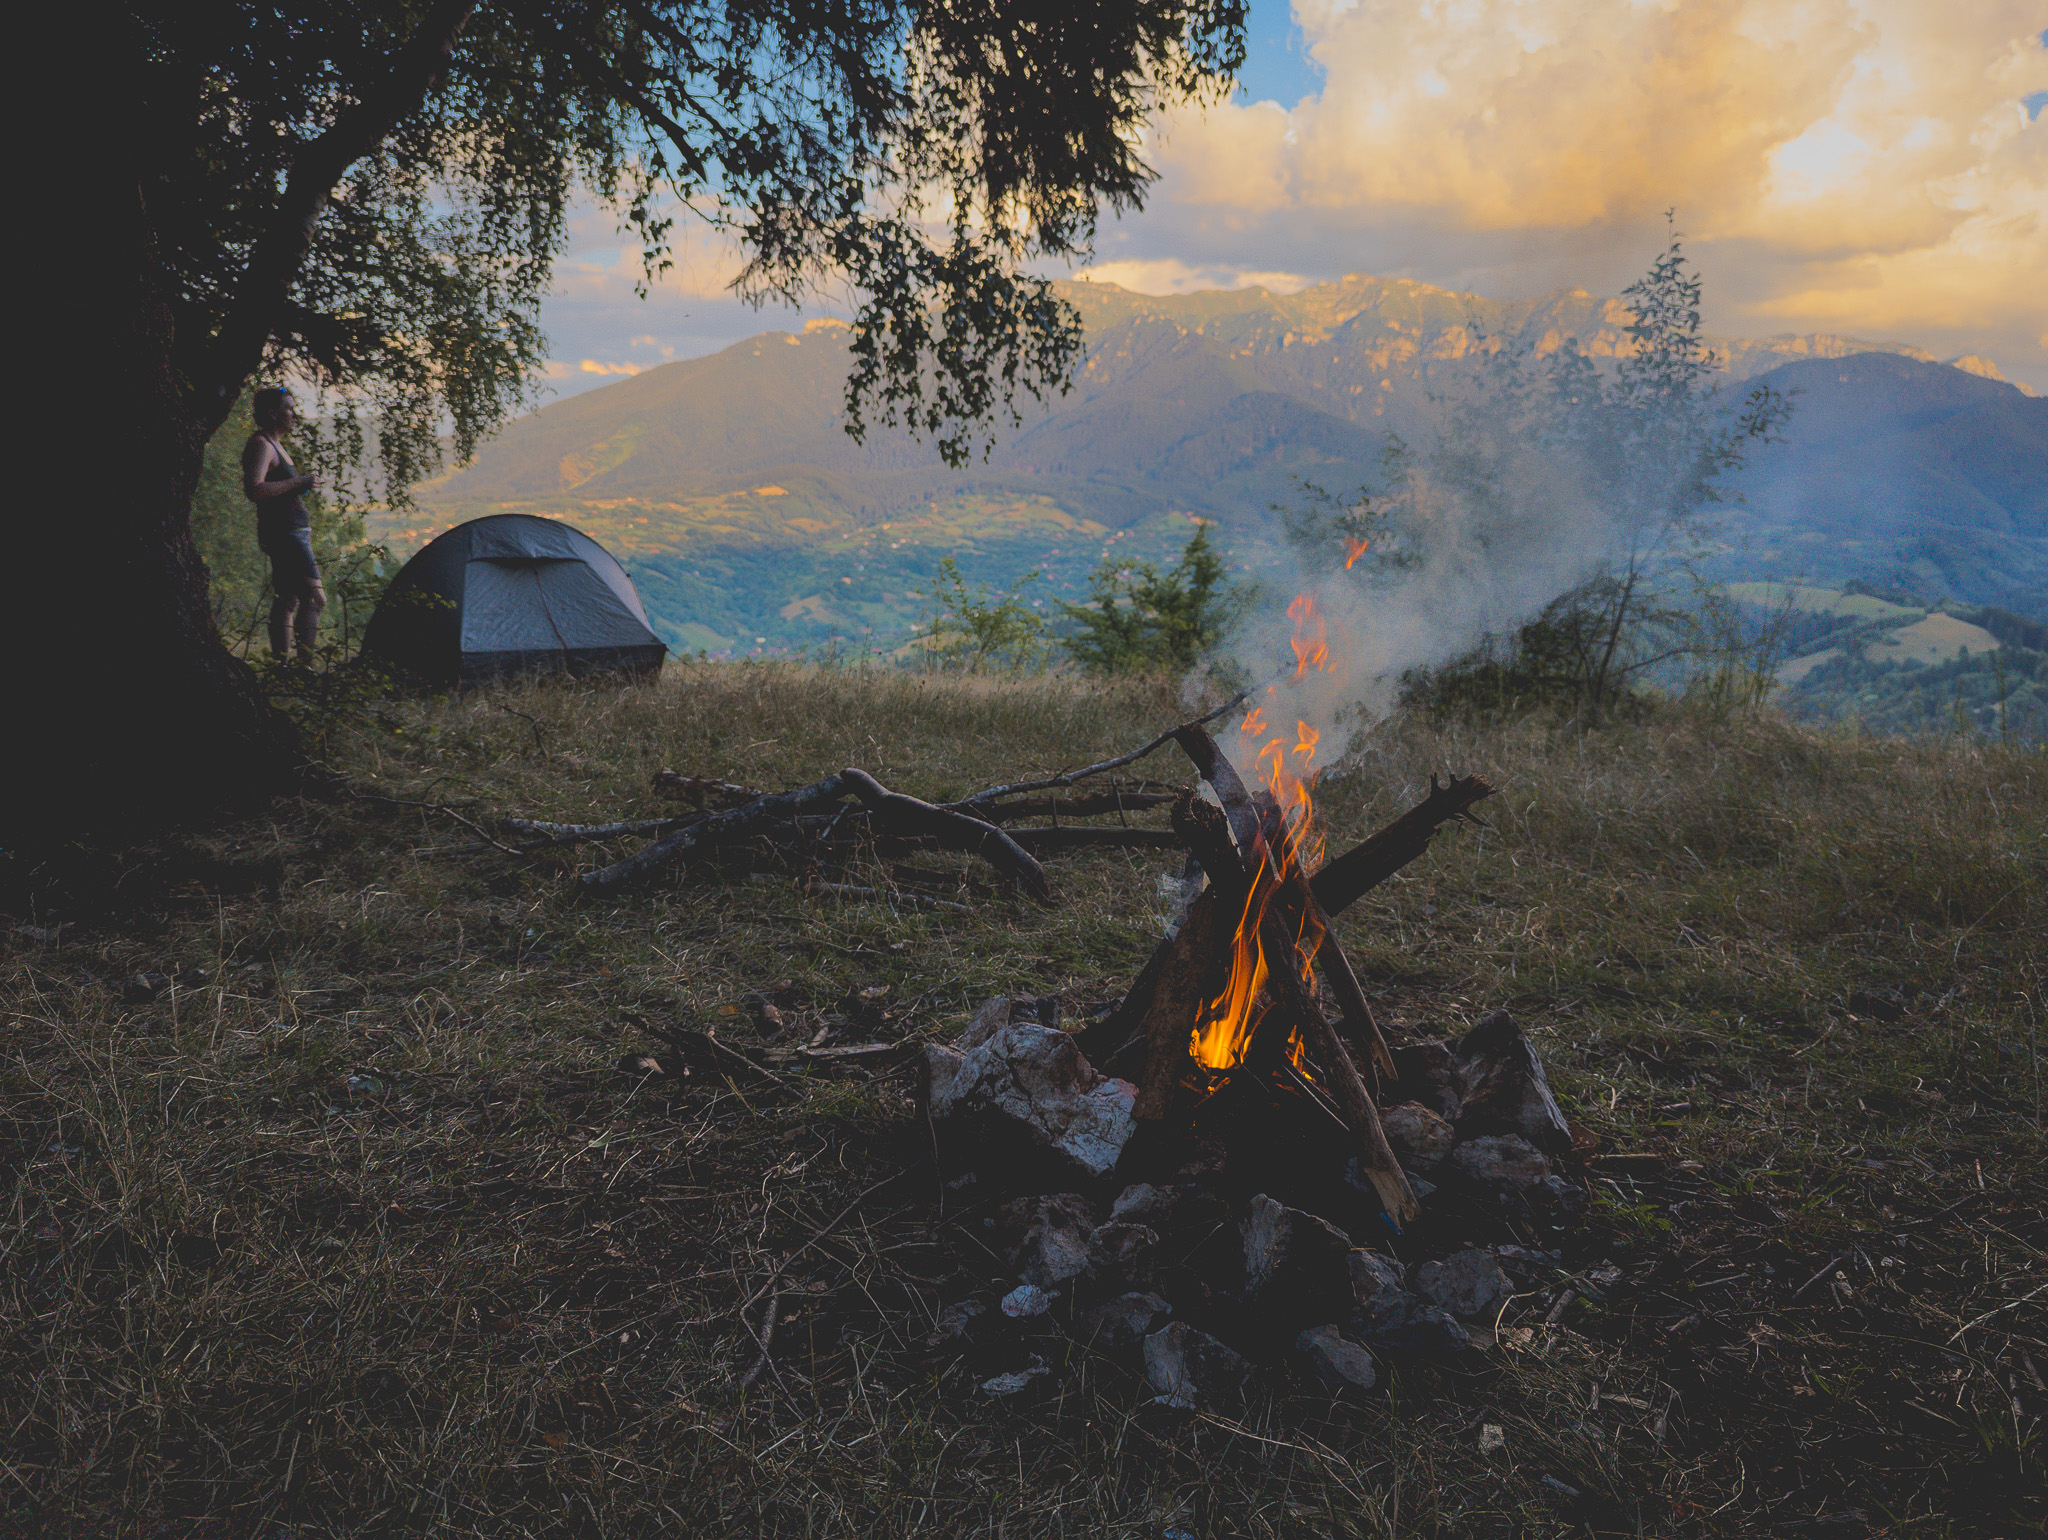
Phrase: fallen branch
(1040, 840)
(1080, 807)
(712, 828)
(953, 830)
(542, 835)
(707, 1051)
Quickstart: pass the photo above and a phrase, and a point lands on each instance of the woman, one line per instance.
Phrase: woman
(283, 530)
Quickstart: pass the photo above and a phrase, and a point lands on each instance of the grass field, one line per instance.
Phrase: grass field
(354, 1229)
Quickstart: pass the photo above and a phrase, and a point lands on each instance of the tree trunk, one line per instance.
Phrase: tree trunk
(132, 713)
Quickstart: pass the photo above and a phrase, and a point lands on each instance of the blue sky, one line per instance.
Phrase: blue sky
(1277, 66)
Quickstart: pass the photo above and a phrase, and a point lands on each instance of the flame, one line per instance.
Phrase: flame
(1311, 641)
(1353, 549)
(1285, 769)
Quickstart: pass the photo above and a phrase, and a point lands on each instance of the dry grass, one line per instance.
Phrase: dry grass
(356, 1231)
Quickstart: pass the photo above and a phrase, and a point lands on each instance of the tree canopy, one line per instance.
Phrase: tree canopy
(370, 196)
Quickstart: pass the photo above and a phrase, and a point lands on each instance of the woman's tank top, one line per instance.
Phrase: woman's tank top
(281, 515)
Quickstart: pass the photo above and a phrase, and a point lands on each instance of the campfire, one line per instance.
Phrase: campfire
(1233, 1161)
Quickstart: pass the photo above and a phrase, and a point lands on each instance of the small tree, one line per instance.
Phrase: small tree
(1539, 457)
(1139, 618)
(982, 632)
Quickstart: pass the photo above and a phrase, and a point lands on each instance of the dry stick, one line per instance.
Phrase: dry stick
(829, 1226)
(955, 830)
(717, 826)
(1118, 839)
(542, 834)
(1243, 811)
(441, 807)
(1298, 894)
(1068, 777)
(764, 1338)
(1079, 807)
(1176, 1007)
(1348, 1087)
(1181, 977)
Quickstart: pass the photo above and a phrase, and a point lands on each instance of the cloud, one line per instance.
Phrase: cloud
(1868, 166)
(1170, 275)
(598, 325)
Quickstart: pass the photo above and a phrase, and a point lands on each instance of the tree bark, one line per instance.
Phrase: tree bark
(126, 709)
(132, 713)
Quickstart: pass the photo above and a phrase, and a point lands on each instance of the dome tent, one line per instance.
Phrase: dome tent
(507, 595)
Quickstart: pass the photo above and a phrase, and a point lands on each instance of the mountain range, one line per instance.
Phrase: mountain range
(750, 520)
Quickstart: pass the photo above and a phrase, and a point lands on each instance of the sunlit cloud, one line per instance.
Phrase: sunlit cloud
(1872, 166)
(1170, 275)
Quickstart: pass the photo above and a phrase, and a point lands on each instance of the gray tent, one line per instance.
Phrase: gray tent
(506, 595)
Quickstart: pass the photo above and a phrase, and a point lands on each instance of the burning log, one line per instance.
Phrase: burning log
(1259, 919)
(1356, 873)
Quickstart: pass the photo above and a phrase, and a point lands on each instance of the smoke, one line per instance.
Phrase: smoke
(1468, 562)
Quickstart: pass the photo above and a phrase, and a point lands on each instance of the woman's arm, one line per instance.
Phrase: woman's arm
(256, 461)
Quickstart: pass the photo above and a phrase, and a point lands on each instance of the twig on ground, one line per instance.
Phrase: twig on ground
(441, 807)
(1068, 777)
(539, 742)
(765, 1338)
(824, 1230)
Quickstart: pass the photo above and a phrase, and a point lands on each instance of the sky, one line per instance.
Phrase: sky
(1874, 168)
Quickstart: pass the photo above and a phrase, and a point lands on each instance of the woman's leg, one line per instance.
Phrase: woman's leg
(281, 624)
(311, 603)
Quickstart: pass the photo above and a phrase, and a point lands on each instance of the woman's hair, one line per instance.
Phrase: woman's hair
(270, 403)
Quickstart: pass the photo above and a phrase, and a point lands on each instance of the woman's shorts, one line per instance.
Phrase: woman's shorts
(292, 567)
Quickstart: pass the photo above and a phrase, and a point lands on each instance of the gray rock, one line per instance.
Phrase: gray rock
(1189, 1368)
(1297, 1267)
(1169, 1208)
(1026, 1302)
(1399, 1323)
(1427, 1073)
(1373, 1276)
(1122, 1324)
(1526, 1265)
(1016, 1382)
(1503, 1089)
(989, 1019)
(1420, 1138)
(1029, 1088)
(960, 1325)
(1501, 1163)
(1338, 1362)
(1559, 1197)
(1046, 1238)
(1467, 1284)
(1122, 1255)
